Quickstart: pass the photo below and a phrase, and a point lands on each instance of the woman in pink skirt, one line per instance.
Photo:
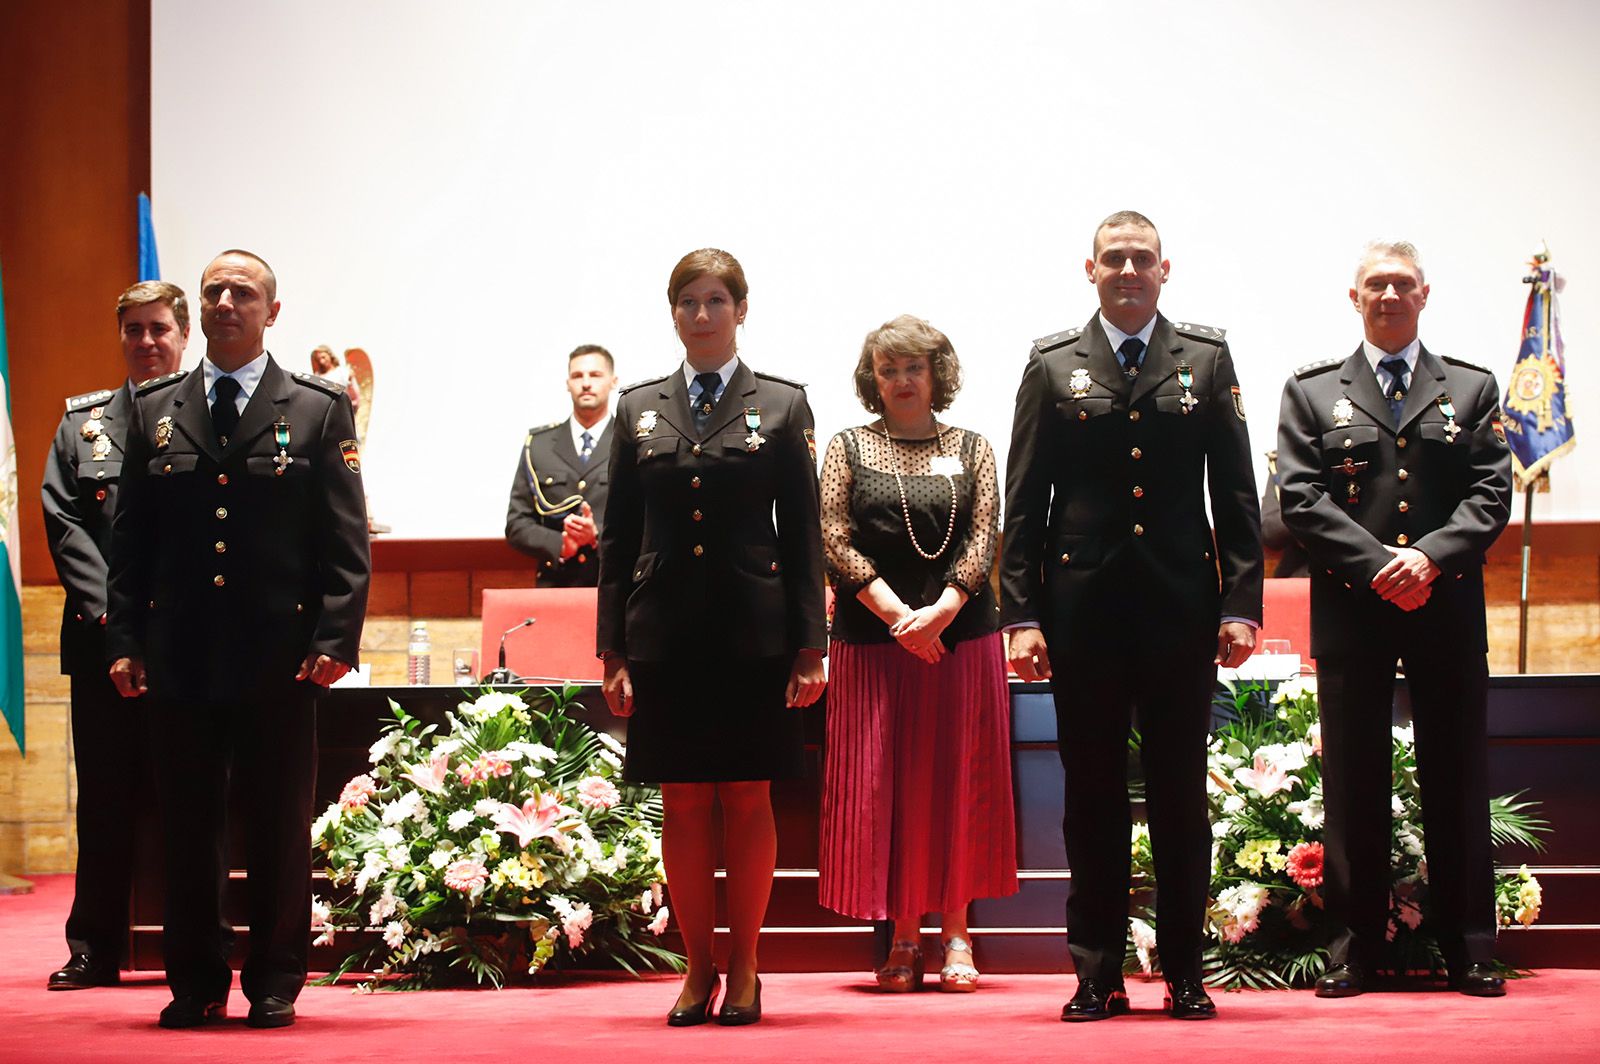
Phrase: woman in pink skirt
(916, 808)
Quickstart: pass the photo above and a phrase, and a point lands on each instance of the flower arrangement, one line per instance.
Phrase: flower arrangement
(1266, 915)
(509, 838)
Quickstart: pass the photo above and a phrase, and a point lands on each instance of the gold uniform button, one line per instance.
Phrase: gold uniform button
(1138, 530)
(549, 480)
(698, 516)
(774, 566)
(1136, 453)
(1403, 475)
(1402, 539)
(698, 550)
(695, 450)
(1208, 555)
(649, 452)
(1065, 558)
(1348, 443)
(167, 468)
(152, 603)
(582, 484)
(1083, 415)
(1138, 492)
(221, 547)
(1404, 506)
(222, 478)
(100, 474)
(219, 580)
(694, 482)
(222, 513)
(299, 607)
(1401, 442)
(1133, 415)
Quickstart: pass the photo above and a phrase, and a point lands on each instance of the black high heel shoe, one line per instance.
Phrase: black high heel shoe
(742, 1015)
(700, 1011)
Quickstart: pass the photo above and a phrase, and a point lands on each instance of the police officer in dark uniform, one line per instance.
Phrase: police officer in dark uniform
(238, 587)
(1113, 583)
(1275, 534)
(81, 478)
(1394, 474)
(558, 495)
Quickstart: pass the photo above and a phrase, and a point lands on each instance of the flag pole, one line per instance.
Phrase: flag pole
(1541, 262)
(1527, 568)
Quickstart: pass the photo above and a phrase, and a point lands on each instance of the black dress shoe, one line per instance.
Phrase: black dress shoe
(1187, 1000)
(192, 1012)
(271, 1012)
(696, 1013)
(1095, 1000)
(82, 972)
(1342, 980)
(1480, 980)
(742, 1015)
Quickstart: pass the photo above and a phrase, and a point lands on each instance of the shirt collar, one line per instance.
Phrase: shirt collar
(595, 433)
(1376, 354)
(1117, 336)
(248, 375)
(726, 373)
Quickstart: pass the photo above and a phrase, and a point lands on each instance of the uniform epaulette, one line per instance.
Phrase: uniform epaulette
(546, 428)
(314, 381)
(1060, 339)
(774, 377)
(1454, 361)
(1200, 332)
(625, 389)
(1312, 368)
(157, 383)
(89, 399)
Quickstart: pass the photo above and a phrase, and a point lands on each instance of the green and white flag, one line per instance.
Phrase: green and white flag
(11, 686)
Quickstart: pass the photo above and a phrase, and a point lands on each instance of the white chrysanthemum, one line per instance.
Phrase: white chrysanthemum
(647, 901)
(1219, 828)
(375, 866)
(611, 759)
(460, 819)
(409, 806)
(439, 858)
(320, 911)
(428, 829)
(389, 836)
(447, 746)
(330, 818)
(383, 908)
(1309, 811)
(487, 806)
(532, 751)
(1397, 808)
(1409, 843)
(490, 704)
(610, 741)
(1402, 734)
(1144, 943)
(383, 747)
(394, 933)
(399, 857)
(1233, 803)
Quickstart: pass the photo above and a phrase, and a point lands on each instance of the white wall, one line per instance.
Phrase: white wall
(468, 191)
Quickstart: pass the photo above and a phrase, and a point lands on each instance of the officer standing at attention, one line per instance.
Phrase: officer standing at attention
(239, 572)
(1394, 473)
(558, 496)
(108, 748)
(1111, 582)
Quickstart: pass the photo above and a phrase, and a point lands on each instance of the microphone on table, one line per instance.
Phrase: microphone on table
(501, 674)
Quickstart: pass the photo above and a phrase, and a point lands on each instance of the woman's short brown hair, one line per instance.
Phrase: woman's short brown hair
(698, 264)
(909, 337)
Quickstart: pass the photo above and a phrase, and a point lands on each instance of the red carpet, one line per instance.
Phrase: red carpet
(595, 1019)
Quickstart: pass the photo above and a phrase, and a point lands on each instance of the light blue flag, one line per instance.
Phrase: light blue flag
(149, 261)
(11, 686)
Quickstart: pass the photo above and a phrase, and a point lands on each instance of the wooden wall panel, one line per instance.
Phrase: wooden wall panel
(75, 108)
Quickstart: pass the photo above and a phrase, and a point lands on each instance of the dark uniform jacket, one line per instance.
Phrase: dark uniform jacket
(1349, 483)
(552, 482)
(230, 565)
(691, 560)
(1105, 491)
(81, 479)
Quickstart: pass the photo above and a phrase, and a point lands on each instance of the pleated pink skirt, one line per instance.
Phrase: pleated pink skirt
(917, 812)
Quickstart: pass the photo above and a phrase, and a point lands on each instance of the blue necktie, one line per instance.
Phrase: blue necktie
(1397, 370)
(706, 401)
(1131, 353)
(588, 447)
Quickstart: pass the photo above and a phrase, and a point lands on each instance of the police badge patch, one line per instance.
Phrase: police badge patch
(811, 442)
(351, 452)
(1238, 402)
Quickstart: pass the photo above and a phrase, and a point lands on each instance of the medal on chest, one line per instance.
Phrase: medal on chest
(163, 433)
(1343, 411)
(102, 447)
(645, 425)
(1352, 491)
(280, 432)
(752, 421)
(1448, 409)
(93, 426)
(1186, 380)
(1078, 384)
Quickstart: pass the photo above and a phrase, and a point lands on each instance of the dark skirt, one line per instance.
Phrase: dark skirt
(705, 721)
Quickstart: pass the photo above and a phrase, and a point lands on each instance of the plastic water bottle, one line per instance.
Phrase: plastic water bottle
(419, 655)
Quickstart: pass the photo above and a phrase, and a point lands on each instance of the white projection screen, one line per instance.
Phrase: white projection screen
(468, 191)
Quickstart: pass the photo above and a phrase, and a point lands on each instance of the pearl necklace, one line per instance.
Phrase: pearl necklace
(905, 508)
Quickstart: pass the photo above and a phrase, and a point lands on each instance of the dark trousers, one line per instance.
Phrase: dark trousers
(1449, 704)
(1167, 693)
(108, 750)
(267, 748)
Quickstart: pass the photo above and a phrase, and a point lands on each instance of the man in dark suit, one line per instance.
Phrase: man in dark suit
(1112, 582)
(558, 496)
(79, 494)
(1394, 474)
(238, 587)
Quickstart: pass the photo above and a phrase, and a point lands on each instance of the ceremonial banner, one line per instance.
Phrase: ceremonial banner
(1536, 423)
(149, 261)
(10, 556)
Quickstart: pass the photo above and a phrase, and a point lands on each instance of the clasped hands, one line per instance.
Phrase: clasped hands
(1407, 579)
(578, 530)
(128, 674)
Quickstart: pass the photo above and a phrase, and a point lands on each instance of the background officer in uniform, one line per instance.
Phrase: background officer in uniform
(558, 496)
(1394, 474)
(239, 574)
(1110, 583)
(1275, 534)
(81, 477)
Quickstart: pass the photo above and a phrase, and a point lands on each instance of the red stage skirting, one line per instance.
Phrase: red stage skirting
(831, 1016)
